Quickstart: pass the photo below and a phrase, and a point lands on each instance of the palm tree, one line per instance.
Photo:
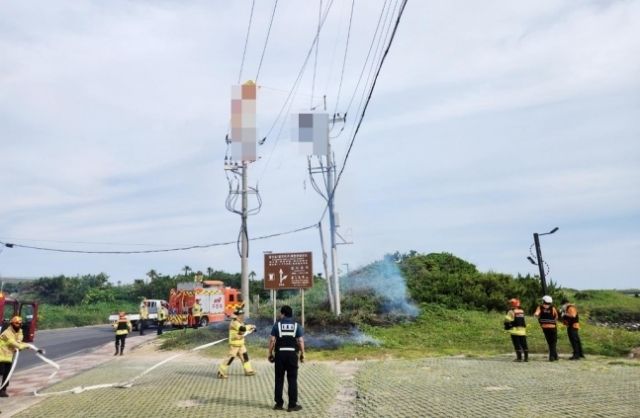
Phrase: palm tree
(152, 274)
(186, 269)
(252, 275)
(209, 272)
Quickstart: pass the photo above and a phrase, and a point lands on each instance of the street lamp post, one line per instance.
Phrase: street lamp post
(536, 241)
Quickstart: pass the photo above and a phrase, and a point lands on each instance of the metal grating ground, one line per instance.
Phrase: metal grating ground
(432, 387)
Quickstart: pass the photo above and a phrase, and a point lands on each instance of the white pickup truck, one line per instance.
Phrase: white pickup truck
(153, 305)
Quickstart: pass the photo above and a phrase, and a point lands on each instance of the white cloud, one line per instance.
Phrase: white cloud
(490, 121)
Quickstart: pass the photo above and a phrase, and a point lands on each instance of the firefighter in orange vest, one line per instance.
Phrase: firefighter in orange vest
(10, 342)
(122, 327)
(547, 316)
(515, 324)
(570, 318)
(237, 332)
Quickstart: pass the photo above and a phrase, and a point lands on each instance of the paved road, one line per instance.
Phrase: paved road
(60, 343)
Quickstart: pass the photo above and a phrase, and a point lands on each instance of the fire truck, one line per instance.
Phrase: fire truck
(217, 301)
(10, 307)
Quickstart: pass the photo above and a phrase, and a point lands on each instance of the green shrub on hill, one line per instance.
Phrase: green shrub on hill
(447, 280)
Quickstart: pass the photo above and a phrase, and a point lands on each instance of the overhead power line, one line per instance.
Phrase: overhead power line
(186, 248)
(266, 41)
(373, 86)
(246, 41)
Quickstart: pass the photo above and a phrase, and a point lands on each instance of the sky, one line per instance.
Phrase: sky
(489, 121)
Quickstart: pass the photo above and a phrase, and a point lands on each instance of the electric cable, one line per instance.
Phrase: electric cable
(266, 41)
(190, 247)
(246, 41)
(344, 59)
(301, 72)
(364, 66)
(386, 23)
(315, 62)
(373, 85)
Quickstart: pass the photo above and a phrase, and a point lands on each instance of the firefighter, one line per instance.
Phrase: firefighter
(122, 327)
(163, 313)
(10, 341)
(144, 315)
(571, 319)
(514, 323)
(288, 342)
(196, 311)
(547, 316)
(237, 332)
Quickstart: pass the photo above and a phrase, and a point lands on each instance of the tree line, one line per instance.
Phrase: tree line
(96, 288)
(436, 278)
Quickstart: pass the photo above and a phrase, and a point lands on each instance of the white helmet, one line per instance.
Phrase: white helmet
(547, 299)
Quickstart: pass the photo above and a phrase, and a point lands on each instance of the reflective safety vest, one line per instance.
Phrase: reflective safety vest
(10, 341)
(547, 316)
(144, 312)
(122, 326)
(162, 314)
(516, 323)
(236, 339)
(196, 309)
(570, 316)
(286, 338)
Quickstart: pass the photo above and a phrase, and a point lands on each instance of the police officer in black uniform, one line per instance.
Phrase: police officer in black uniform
(288, 343)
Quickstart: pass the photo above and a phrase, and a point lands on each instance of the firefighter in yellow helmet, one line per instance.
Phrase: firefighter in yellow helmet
(122, 327)
(514, 323)
(10, 342)
(237, 331)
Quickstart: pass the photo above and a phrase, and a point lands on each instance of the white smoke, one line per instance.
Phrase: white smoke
(385, 279)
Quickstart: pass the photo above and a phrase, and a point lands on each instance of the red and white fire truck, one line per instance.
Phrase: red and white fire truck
(10, 307)
(216, 300)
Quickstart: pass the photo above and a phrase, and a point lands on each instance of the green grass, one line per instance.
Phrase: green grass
(589, 299)
(55, 316)
(606, 305)
(436, 332)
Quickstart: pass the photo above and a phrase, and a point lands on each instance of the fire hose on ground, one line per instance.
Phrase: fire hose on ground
(40, 354)
(129, 383)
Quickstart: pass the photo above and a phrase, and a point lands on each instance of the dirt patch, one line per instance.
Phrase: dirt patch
(344, 405)
(188, 403)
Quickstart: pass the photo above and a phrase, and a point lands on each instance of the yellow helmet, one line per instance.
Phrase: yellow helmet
(16, 320)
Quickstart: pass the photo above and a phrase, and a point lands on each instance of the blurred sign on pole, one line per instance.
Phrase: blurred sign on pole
(243, 122)
(288, 271)
(311, 129)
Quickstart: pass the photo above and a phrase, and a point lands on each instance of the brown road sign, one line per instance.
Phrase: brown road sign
(288, 271)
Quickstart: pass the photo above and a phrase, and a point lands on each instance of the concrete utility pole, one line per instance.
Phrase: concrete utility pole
(327, 277)
(332, 227)
(333, 281)
(243, 151)
(244, 249)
